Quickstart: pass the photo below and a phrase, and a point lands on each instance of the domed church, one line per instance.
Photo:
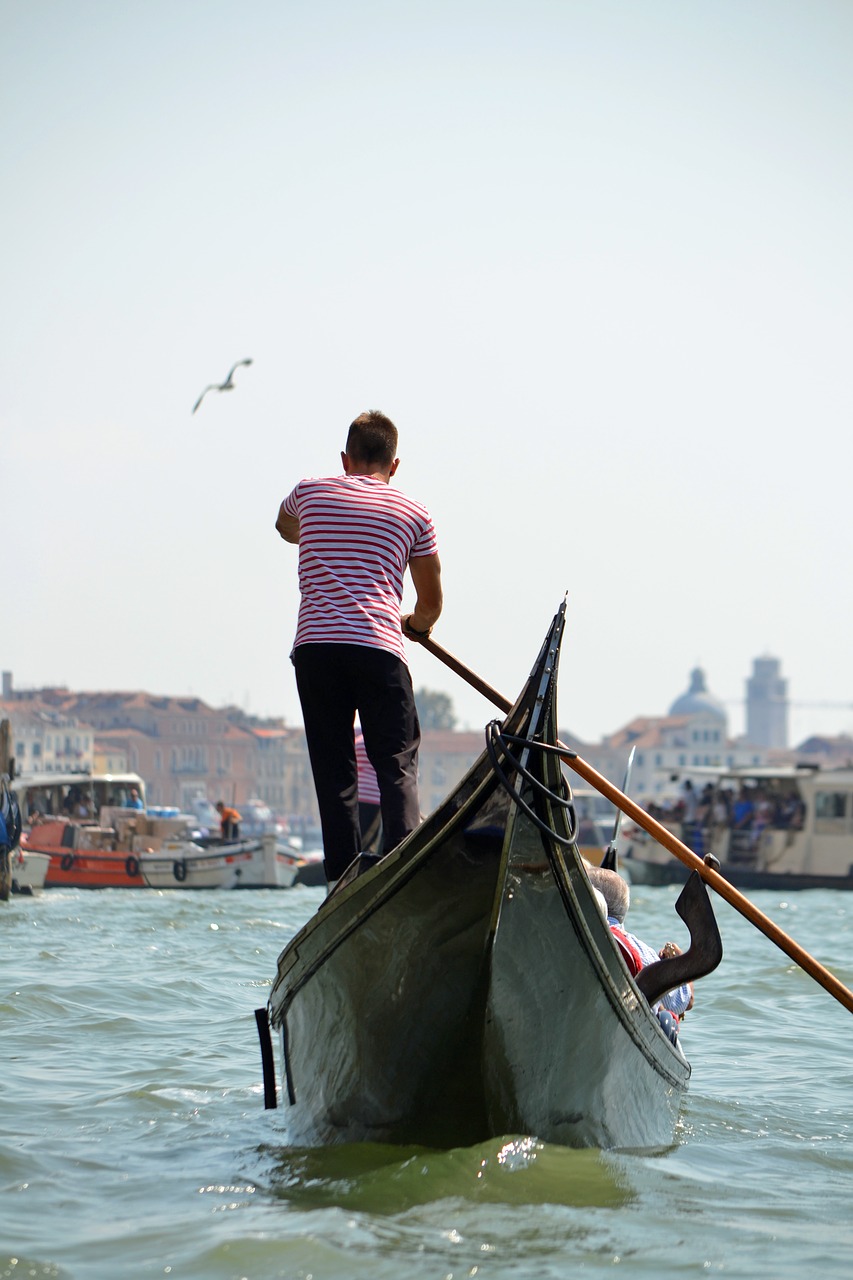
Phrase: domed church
(698, 703)
(693, 735)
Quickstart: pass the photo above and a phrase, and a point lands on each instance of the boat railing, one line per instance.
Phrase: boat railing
(743, 848)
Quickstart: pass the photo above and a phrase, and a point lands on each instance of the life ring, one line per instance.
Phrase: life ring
(67, 861)
(179, 869)
(131, 866)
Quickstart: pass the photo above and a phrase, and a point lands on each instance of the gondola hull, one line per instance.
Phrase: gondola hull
(467, 986)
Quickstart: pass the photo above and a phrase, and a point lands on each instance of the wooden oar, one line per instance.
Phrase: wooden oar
(711, 877)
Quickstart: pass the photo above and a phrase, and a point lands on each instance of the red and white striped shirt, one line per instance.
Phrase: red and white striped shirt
(356, 536)
(368, 784)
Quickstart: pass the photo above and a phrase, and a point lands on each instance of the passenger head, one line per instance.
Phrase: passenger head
(601, 901)
(614, 889)
(372, 440)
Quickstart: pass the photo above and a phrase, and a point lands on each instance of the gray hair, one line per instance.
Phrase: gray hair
(614, 890)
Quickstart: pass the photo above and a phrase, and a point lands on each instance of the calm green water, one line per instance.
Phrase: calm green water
(134, 1140)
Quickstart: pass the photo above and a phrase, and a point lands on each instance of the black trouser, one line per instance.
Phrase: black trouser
(335, 681)
(368, 819)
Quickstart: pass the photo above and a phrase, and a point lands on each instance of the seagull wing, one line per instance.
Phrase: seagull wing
(233, 368)
(212, 387)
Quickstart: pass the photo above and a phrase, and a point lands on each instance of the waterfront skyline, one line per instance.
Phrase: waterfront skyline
(801, 717)
(594, 260)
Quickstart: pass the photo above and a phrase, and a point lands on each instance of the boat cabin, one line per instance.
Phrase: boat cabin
(80, 796)
(792, 820)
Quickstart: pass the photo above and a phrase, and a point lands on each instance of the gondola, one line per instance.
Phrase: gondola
(467, 985)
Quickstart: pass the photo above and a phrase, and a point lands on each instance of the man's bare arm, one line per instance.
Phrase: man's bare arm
(426, 577)
(288, 526)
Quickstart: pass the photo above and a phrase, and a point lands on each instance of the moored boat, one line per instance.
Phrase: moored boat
(273, 862)
(95, 837)
(124, 855)
(467, 985)
(28, 871)
(183, 864)
(278, 864)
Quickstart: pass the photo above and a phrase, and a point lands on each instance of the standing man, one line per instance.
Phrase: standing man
(356, 535)
(229, 822)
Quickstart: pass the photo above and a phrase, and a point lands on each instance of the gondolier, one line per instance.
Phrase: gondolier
(356, 536)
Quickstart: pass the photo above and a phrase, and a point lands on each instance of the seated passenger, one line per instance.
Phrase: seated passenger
(134, 800)
(636, 953)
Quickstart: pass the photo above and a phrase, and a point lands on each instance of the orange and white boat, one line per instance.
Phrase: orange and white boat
(87, 857)
(96, 838)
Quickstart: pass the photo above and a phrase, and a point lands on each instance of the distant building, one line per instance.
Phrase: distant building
(767, 705)
(693, 736)
(185, 749)
(49, 741)
(444, 758)
(109, 757)
(181, 747)
(826, 752)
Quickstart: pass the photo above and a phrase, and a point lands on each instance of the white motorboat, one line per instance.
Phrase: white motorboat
(28, 870)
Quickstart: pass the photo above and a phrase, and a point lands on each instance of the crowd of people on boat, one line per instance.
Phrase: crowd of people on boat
(748, 809)
(77, 803)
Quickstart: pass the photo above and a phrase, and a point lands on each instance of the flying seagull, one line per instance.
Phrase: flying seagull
(227, 385)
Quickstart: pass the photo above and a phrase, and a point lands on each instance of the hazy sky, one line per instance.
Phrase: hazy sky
(594, 259)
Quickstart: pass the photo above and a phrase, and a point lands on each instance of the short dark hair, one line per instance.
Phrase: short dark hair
(372, 438)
